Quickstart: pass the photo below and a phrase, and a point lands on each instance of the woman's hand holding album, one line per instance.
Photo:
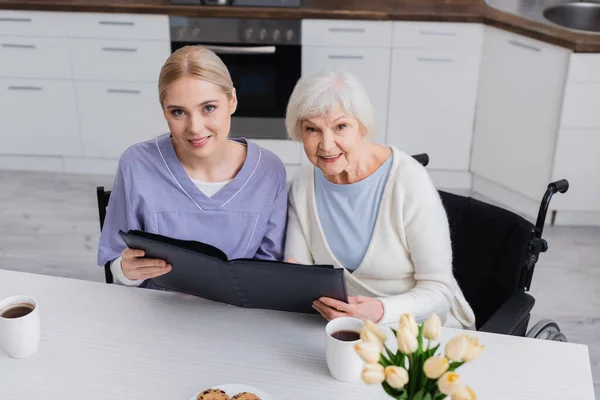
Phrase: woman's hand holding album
(136, 267)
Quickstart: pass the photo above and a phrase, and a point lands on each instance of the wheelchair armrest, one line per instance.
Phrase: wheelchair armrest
(511, 315)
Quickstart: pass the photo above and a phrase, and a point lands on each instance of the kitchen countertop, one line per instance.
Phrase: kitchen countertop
(397, 10)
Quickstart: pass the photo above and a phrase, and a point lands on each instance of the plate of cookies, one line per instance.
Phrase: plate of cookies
(232, 392)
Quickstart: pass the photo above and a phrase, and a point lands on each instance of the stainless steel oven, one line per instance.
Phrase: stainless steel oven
(264, 59)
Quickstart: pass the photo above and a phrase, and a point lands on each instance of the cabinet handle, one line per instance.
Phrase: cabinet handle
(525, 46)
(127, 91)
(7, 19)
(117, 23)
(355, 30)
(434, 33)
(433, 59)
(120, 49)
(37, 88)
(18, 46)
(345, 57)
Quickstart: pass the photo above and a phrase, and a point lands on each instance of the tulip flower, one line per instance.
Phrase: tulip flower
(376, 329)
(435, 367)
(407, 342)
(369, 352)
(463, 393)
(432, 327)
(473, 350)
(373, 374)
(396, 377)
(457, 347)
(449, 383)
(409, 321)
(368, 336)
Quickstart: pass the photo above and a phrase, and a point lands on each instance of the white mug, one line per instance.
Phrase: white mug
(342, 360)
(19, 331)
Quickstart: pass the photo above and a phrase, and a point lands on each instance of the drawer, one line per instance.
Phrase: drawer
(33, 23)
(287, 150)
(346, 33)
(437, 35)
(113, 116)
(584, 68)
(580, 106)
(34, 57)
(39, 117)
(126, 26)
(118, 60)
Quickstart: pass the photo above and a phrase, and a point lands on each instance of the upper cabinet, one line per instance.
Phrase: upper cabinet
(433, 91)
(359, 47)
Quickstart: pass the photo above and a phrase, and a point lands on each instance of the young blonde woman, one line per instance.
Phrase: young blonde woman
(369, 209)
(195, 183)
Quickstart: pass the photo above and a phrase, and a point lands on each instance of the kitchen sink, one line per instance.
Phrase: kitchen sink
(582, 16)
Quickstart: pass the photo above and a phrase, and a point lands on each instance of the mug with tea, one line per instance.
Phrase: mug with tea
(19, 326)
(342, 360)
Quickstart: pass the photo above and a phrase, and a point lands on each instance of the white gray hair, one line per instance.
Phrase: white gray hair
(321, 93)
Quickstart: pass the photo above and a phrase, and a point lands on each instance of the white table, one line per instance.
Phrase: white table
(104, 341)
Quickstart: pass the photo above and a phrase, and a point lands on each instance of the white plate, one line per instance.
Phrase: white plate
(233, 389)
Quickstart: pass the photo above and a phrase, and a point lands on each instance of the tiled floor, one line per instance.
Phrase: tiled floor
(49, 225)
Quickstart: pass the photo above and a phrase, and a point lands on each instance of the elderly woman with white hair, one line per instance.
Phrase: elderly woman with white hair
(368, 208)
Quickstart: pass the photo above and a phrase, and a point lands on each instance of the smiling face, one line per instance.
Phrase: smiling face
(332, 142)
(199, 116)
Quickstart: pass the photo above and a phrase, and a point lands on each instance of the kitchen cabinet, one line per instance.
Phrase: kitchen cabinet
(432, 105)
(370, 65)
(116, 115)
(359, 47)
(38, 118)
(433, 94)
(519, 105)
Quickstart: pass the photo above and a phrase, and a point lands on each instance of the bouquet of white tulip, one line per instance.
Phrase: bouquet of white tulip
(415, 372)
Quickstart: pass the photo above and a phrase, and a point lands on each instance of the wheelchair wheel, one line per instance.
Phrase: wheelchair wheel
(558, 337)
(544, 330)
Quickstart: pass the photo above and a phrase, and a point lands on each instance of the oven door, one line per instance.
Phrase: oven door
(264, 78)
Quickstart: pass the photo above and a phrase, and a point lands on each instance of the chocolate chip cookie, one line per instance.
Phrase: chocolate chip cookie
(213, 394)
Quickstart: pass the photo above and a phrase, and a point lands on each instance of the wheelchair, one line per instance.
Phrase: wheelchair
(494, 257)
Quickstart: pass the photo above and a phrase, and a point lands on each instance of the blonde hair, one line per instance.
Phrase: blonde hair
(323, 92)
(197, 62)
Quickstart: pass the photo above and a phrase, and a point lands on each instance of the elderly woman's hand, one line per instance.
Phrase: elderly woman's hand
(360, 307)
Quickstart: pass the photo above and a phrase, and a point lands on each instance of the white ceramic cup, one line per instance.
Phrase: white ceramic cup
(19, 336)
(342, 360)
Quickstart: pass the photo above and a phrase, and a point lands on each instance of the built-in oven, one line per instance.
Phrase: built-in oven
(264, 59)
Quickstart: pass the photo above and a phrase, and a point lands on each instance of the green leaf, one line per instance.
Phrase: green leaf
(440, 396)
(427, 397)
(394, 393)
(420, 339)
(391, 355)
(401, 358)
(454, 366)
(384, 361)
(395, 332)
(432, 351)
(418, 396)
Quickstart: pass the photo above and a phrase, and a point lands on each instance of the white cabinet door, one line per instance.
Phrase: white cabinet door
(518, 111)
(116, 115)
(118, 60)
(432, 105)
(577, 161)
(38, 117)
(370, 66)
(34, 57)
